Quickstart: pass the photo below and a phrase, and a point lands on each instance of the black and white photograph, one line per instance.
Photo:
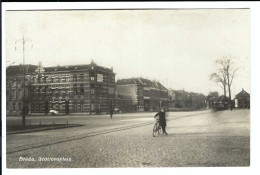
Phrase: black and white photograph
(127, 88)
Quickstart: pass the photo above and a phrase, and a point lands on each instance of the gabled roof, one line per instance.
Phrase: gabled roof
(142, 82)
(243, 93)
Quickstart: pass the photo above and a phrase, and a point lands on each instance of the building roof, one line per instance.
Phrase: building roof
(142, 82)
(243, 93)
(18, 69)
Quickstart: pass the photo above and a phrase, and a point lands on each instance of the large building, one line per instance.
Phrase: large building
(146, 95)
(67, 89)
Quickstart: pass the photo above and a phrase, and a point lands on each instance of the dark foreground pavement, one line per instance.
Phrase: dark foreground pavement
(195, 139)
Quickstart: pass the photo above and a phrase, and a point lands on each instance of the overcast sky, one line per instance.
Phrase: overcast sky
(176, 47)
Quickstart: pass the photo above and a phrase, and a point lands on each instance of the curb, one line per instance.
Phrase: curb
(42, 129)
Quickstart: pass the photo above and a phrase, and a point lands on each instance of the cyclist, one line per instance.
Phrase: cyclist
(162, 120)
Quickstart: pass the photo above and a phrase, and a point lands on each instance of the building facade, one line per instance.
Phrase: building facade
(67, 89)
(146, 95)
(187, 100)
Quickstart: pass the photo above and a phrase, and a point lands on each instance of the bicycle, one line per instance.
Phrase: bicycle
(157, 129)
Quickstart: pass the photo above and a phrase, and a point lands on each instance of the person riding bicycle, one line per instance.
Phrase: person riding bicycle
(162, 120)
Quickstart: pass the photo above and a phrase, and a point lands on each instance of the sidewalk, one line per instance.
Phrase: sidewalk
(35, 128)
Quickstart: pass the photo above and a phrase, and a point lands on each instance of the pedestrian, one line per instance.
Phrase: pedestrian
(162, 120)
(111, 110)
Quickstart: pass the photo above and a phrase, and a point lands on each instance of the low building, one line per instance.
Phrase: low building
(146, 95)
(67, 89)
(189, 100)
(242, 99)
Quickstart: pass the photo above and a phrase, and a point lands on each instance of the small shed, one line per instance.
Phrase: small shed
(242, 99)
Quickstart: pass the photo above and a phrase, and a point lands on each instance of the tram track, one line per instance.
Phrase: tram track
(83, 136)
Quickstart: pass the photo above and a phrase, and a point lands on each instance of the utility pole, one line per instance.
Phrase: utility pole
(25, 107)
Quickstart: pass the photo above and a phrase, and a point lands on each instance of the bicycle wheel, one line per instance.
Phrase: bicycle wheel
(155, 130)
(159, 130)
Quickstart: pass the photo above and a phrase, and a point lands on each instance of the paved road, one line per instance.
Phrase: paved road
(201, 138)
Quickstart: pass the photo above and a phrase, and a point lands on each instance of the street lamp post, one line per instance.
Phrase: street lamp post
(24, 109)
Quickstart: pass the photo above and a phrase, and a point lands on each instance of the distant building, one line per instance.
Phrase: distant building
(180, 98)
(146, 95)
(77, 88)
(189, 100)
(242, 99)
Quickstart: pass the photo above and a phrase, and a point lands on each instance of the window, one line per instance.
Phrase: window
(99, 78)
(14, 82)
(66, 78)
(7, 107)
(110, 90)
(32, 107)
(20, 106)
(92, 91)
(14, 94)
(13, 106)
(57, 92)
(19, 94)
(81, 77)
(92, 107)
(74, 77)
(81, 89)
(34, 79)
(59, 79)
(75, 89)
(92, 76)
(81, 106)
(19, 84)
(37, 108)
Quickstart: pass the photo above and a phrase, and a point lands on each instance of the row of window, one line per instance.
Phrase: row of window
(14, 107)
(38, 107)
(16, 94)
(55, 92)
(58, 79)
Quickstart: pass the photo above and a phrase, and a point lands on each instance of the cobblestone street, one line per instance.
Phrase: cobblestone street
(201, 138)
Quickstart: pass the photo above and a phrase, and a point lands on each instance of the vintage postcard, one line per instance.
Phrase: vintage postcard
(127, 88)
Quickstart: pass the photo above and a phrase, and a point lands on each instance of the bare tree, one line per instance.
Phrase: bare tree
(220, 78)
(230, 71)
(225, 74)
(214, 94)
